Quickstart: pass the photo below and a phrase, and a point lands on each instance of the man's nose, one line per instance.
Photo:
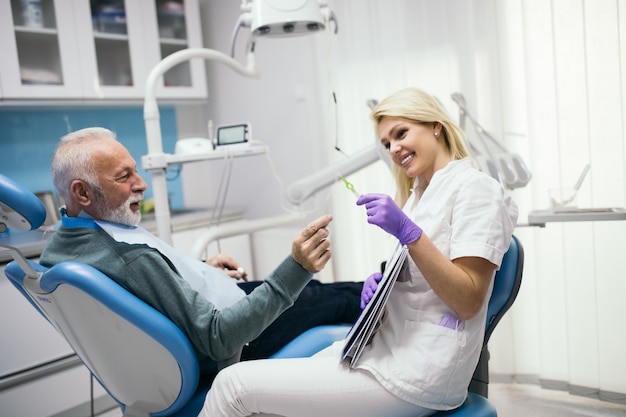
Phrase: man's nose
(140, 184)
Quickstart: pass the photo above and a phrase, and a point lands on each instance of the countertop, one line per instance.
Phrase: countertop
(31, 243)
(541, 217)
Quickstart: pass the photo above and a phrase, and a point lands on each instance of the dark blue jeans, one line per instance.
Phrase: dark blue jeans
(317, 304)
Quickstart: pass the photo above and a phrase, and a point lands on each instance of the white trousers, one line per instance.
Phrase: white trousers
(318, 386)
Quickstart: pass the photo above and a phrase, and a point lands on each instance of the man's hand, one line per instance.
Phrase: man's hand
(229, 266)
(310, 248)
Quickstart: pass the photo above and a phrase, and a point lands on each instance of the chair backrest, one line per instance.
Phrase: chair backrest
(19, 208)
(140, 357)
(506, 286)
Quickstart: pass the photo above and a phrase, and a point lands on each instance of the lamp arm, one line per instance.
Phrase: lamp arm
(151, 110)
(153, 125)
(304, 188)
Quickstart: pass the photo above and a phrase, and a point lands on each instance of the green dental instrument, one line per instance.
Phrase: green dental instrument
(350, 187)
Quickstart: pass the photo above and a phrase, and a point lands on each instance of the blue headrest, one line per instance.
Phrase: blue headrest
(20, 209)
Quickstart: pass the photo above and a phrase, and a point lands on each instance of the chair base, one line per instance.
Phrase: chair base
(475, 405)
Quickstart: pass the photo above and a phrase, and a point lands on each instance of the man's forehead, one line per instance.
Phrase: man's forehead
(113, 156)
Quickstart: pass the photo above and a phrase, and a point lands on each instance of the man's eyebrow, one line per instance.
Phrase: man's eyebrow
(123, 171)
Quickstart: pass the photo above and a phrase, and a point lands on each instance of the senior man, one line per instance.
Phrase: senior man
(97, 178)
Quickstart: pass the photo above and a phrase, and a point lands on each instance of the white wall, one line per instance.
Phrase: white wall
(281, 106)
(543, 76)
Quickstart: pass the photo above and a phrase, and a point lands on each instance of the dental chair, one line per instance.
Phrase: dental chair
(141, 358)
(138, 355)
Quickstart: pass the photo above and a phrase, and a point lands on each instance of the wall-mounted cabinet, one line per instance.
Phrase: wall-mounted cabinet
(98, 49)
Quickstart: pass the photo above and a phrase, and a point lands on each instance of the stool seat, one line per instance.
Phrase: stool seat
(474, 405)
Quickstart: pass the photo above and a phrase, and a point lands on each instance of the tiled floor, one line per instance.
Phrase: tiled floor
(524, 400)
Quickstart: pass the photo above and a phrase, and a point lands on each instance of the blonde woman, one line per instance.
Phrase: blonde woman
(457, 223)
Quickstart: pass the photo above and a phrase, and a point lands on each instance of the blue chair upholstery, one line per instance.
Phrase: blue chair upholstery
(20, 209)
(139, 356)
(313, 340)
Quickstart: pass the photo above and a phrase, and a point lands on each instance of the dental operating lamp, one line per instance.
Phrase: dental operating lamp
(286, 17)
(266, 18)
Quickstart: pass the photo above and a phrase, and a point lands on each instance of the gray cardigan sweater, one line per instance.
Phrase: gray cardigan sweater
(215, 334)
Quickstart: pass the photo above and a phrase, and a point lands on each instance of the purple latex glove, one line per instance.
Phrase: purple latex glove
(369, 288)
(385, 213)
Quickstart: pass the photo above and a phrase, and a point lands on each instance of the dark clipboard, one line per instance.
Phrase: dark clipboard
(365, 326)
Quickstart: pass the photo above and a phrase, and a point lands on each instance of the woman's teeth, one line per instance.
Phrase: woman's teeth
(407, 159)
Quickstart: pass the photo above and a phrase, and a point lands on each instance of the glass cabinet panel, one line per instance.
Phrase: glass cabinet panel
(38, 50)
(97, 49)
(111, 43)
(172, 27)
(37, 42)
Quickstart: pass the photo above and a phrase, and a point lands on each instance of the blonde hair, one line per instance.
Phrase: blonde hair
(420, 107)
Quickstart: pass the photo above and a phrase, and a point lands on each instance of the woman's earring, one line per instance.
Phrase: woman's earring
(436, 133)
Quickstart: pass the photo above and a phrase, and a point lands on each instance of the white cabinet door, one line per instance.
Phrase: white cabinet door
(38, 60)
(91, 50)
(111, 49)
(174, 30)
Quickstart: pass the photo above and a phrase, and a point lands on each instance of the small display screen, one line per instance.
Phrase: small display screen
(229, 135)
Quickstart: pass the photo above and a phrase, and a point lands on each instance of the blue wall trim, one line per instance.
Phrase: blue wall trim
(28, 136)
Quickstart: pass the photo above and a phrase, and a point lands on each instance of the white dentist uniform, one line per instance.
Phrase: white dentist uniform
(464, 213)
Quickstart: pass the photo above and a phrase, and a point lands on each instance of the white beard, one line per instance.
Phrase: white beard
(122, 214)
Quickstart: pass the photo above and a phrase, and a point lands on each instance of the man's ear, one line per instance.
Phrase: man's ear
(81, 192)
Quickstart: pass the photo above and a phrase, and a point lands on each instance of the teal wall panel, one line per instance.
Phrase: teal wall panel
(28, 136)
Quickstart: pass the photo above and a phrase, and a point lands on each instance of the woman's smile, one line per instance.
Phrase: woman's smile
(406, 159)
